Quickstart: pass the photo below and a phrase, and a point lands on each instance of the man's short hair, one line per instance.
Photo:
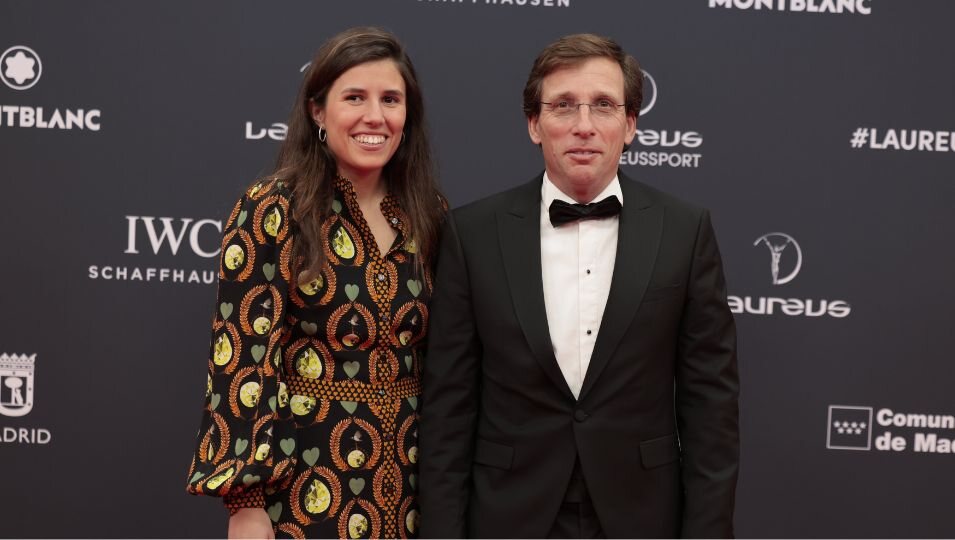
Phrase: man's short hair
(575, 49)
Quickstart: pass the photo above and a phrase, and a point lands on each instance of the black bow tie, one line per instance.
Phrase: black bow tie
(563, 212)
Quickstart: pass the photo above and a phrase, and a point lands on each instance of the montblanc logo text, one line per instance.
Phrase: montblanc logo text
(20, 69)
(860, 7)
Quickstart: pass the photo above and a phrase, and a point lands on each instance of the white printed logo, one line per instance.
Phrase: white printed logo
(778, 244)
(16, 384)
(649, 93)
(850, 428)
(20, 67)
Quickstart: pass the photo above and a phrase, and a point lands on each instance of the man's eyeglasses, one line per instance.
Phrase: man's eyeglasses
(567, 108)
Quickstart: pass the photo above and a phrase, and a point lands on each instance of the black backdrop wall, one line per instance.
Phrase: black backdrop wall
(817, 131)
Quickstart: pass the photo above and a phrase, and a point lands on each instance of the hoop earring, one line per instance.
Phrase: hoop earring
(322, 134)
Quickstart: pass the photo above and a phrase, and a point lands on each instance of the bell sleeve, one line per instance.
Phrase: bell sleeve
(246, 439)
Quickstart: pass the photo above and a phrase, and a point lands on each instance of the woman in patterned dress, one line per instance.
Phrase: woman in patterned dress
(310, 423)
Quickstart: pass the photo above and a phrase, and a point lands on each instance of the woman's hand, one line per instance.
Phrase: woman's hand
(251, 523)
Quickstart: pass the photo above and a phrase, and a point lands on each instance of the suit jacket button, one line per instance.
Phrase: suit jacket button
(580, 415)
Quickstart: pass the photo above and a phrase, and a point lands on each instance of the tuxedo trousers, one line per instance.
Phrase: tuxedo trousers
(577, 517)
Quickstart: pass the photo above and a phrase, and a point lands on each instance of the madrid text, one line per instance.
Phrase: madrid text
(921, 441)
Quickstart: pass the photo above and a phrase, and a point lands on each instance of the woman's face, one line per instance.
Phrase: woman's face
(364, 115)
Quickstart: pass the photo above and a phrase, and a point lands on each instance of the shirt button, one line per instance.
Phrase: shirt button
(580, 415)
(588, 271)
(589, 332)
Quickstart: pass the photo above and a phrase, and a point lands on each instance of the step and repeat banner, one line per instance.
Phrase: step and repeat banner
(820, 133)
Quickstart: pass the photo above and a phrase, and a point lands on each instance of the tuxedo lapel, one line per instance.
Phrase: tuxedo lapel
(638, 241)
(519, 235)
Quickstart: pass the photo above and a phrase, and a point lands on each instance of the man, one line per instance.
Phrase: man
(581, 375)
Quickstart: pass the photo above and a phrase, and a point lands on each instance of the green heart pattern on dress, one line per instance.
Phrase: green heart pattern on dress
(310, 456)
(351, 291)
(408, 361)
(351, 368)
(272, 403)
(242, 217)
(249, 479)
(269, 270)
(349, 406)
(415, 287)
(275, 512)
(214, 401)
(336, 206)
(309, 328)
(198, 475)
(258, 351)
(225, 309)
(356, 485)
(240, 446)
(413, 401)
(413, 480)
(287, 446)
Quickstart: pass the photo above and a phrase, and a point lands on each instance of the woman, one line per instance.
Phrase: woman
(310, 424)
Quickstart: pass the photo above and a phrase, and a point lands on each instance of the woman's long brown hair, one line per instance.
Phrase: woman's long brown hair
(309, 168)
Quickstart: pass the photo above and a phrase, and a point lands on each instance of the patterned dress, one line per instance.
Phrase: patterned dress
(313, 388)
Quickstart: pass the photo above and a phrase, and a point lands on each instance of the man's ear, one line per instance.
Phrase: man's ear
(533, 129)
(631, 129)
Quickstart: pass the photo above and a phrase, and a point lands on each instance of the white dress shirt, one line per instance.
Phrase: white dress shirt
(576, 268)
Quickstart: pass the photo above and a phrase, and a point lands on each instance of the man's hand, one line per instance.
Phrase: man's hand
(251, 523)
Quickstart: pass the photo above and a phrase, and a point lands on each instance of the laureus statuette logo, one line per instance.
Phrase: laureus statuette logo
(16, 384)
(780, 244)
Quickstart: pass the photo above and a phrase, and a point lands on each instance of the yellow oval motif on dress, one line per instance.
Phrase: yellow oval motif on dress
(413, 454)
(234, 256)
(262, 452)
(222, 352)
(342, 244)
(209, 385)
(249, 394)
(283, 394)
(405, 336)
(309, 365)
(302, 405)
(411, 246)
(218, 479)
(318, 498)
(272, 222)
(356, 458)
(312, 287)
(261, 325)
(357, 526)
(412, 520)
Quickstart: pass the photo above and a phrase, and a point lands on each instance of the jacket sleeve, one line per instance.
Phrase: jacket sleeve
(245, 422)
(451, 396)
(707, 390)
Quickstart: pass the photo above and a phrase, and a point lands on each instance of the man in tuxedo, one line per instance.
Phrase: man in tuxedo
(581, 376)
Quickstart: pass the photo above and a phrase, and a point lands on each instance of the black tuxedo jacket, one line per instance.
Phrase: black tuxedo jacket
(655, 426)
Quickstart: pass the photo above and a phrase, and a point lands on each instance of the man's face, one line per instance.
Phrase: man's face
(582, 148)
